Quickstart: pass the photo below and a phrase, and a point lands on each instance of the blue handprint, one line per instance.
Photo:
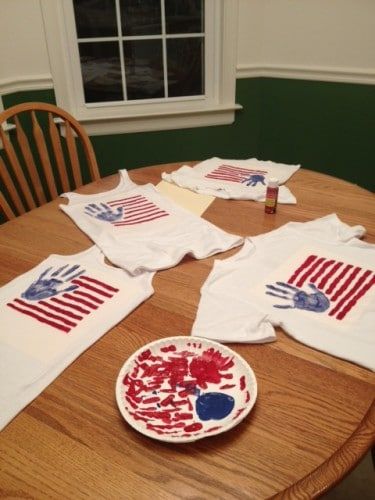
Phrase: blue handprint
(50, 282)
(315, 302)
(104, 212)
(253, 180)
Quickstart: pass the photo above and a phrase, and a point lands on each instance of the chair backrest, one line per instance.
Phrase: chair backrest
(45, 152)
(5, 208)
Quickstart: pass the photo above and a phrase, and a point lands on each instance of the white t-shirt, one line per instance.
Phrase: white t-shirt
(315, 280)
(234, 179)
(54, 312)
(138, 229)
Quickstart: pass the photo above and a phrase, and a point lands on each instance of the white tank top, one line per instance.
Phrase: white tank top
(138, 229)
(54, 312)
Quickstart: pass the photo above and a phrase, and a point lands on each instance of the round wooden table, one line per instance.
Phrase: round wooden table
(314, 418)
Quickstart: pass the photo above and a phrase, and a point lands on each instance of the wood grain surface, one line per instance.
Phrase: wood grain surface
(311, 424)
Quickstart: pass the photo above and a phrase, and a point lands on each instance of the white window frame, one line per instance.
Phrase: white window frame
(216, 107)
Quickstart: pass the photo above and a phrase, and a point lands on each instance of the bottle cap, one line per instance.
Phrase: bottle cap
(273, 182)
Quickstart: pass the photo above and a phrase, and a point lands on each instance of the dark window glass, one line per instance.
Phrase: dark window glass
(144, 69)
(185, 66)
(101, 71)
(95, 18)
(140, 17)
(184, 16)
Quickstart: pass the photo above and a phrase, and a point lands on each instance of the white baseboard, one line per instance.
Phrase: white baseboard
(324, 74)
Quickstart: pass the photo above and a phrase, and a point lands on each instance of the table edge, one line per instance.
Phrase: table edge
(333, 470)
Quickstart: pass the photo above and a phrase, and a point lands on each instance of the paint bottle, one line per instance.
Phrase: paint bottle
(271, 196)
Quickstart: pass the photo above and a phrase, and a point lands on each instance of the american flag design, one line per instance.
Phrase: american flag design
(126, 211)
(236, 174)
(65, 311)
(345, 285)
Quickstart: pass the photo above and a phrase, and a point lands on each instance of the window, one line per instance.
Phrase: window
(131, 50)
(136, 65)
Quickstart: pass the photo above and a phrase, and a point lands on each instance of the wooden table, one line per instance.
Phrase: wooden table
(312, 422)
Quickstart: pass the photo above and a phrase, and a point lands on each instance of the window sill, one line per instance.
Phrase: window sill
(166, 120)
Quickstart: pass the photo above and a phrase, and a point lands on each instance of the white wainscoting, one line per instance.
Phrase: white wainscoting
(25, 83)
(324, 74)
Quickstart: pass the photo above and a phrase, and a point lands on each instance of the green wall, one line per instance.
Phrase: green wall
(324, 126)
(237, 140)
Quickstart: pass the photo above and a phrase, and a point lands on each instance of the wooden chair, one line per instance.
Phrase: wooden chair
(5, 208)
(45, 152)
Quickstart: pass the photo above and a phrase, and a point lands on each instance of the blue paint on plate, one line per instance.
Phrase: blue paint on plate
(214, 406)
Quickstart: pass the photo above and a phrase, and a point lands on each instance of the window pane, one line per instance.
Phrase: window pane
(185, 66)
(140, 17)
(144, 69)
(184, 16)
(95, 18)
(101, 71)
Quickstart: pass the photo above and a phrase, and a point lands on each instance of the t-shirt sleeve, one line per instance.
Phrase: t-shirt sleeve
(225, 312)
(329, 228)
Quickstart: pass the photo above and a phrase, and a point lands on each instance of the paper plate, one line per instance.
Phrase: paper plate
(180, 389)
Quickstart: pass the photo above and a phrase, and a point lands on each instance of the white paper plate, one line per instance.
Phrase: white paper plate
(180, 389)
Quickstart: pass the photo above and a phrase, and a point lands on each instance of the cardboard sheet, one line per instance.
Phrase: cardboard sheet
(195, 203)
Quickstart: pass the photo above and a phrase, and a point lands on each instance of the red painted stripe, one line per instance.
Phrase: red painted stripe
(68, 304)
(321, 270)
(80, 301)
(40, 318)
(89, 296)
(352, 290)
(133, 405)
(309, 271)
(135, 217)
(125, 199)
(346, 283)
(233, 171)
(227, 171)
(144, 208)
(142, 214)
(100, 283)
(91, 288)
(152, 399)
(337, 280)
(240, 173)
(146, 219)
(224, 175)
(46, 313)
(355, 299)
(242, 169)
(139, 214)
(163, 214)
(131, 203)
(322, 283)
(303, 266)
(60, 310)
(139, 203)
